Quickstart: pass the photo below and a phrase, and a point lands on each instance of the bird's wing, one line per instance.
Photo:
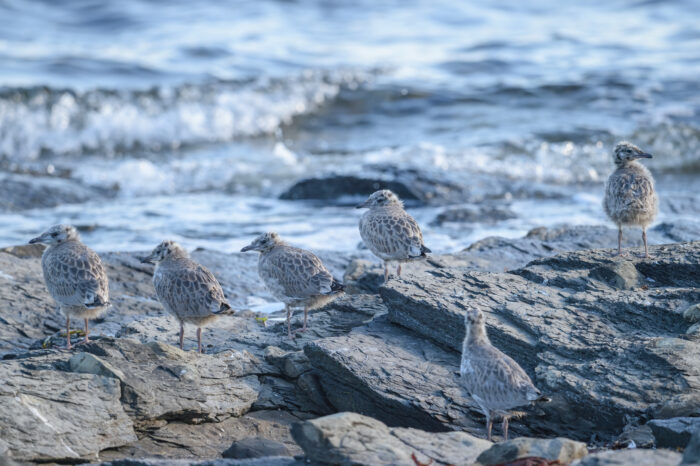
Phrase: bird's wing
(628, 190)
(188, 290)
(300, 273)
(500, 381)
(393, 232)
(75, 276)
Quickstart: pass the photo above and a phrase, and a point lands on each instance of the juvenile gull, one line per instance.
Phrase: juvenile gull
(389, 232)
(630, 197)
(186, 289)
(495, 381)
(74, 276)
(293, 275)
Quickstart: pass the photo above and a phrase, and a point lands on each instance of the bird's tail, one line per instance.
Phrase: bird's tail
(225, 309)
(543, 399)
(424, 250)
(337, 286)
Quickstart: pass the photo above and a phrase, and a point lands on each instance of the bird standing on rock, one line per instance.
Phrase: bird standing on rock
(389, 232)
(630, 197)
(74, 276)
(186, 289)
(494, 380)
(293, 275)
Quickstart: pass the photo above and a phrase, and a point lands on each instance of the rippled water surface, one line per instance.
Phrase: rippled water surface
(190, 118)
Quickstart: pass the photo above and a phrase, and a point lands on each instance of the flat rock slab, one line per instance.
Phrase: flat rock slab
(633, 457)
(600, 351)
(160, 381)
(350, 438)
(50, 415)
(267, 461)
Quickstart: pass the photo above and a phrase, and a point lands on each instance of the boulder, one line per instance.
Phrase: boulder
(627, 360)
(20, 192)
(482, 214)
(266, 461)
(631, 457)
(255, 447)
(555, 449)
(691, 455)
(350, 438)
(160, 381)
(51, 415)
(674, 432)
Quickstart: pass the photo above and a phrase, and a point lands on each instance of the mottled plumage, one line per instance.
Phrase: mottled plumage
(630, 197)
(494, 380)
(186, 289)
(389, 232)
(294, 276)
(74, 275)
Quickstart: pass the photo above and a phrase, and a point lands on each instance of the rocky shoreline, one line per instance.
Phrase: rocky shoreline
(613, 341)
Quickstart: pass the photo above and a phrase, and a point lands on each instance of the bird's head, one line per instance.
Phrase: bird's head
(57, 234)
(167, 248)
(626, 152)
(264, 242)
(473, 317)
(381, 198)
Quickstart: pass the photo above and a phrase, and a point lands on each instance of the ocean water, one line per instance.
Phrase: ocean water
(190, 118)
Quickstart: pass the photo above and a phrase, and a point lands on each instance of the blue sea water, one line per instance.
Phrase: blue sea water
(195, 115)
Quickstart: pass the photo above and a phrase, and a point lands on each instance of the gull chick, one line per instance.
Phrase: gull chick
(294, 276)
(630, 197)
(389, 232)
(494, 380)
(74, 276)
(186, 289)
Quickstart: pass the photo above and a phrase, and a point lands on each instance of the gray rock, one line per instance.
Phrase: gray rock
(267, 461)
(535, 315)
(674, 432)
(636, 437)
(50, 415)
(691, 455)
(559, 448)
(20, 192)
(350, 438)
(255, 447)
(474, 214)
(160, 381)
(692, 313)
(632, 457)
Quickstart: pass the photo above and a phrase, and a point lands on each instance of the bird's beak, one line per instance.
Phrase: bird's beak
(38, 239)
(247, 248)
(147, 259)
(642, 155)
(361, 205)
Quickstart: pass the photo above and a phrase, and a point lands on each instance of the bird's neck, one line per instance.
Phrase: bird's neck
(476, 335)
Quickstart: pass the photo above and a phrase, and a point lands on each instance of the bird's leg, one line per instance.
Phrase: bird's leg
(386, 271)
(489, 425)
(398, 270)
(199, 340)
(644, 238)
(87, 332)
(68, 345)
(306, 314)
(619, 240)
(505, 427)
(182, 335)
(289, 321)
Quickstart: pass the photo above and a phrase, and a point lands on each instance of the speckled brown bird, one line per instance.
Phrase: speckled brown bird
(389, 232)
(74, 276)
(630, 197)
(186, 289)
(494, 380)
(294, 276)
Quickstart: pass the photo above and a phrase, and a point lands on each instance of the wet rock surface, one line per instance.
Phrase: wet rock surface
(607, 338)
(633, 457)
(556, 449)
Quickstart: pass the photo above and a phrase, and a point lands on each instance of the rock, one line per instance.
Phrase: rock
(474, 214)
(267, 461)
(292, 364)
(561, 449)
(350, 438)
(620, 275)
(632, 457)
(636, 437)
(691, 455)
(255, 447)
(674, 432)
(50, 415)
(334, 187)
(160, 381)
(626, 360)
(20, 192)
(692, 313)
